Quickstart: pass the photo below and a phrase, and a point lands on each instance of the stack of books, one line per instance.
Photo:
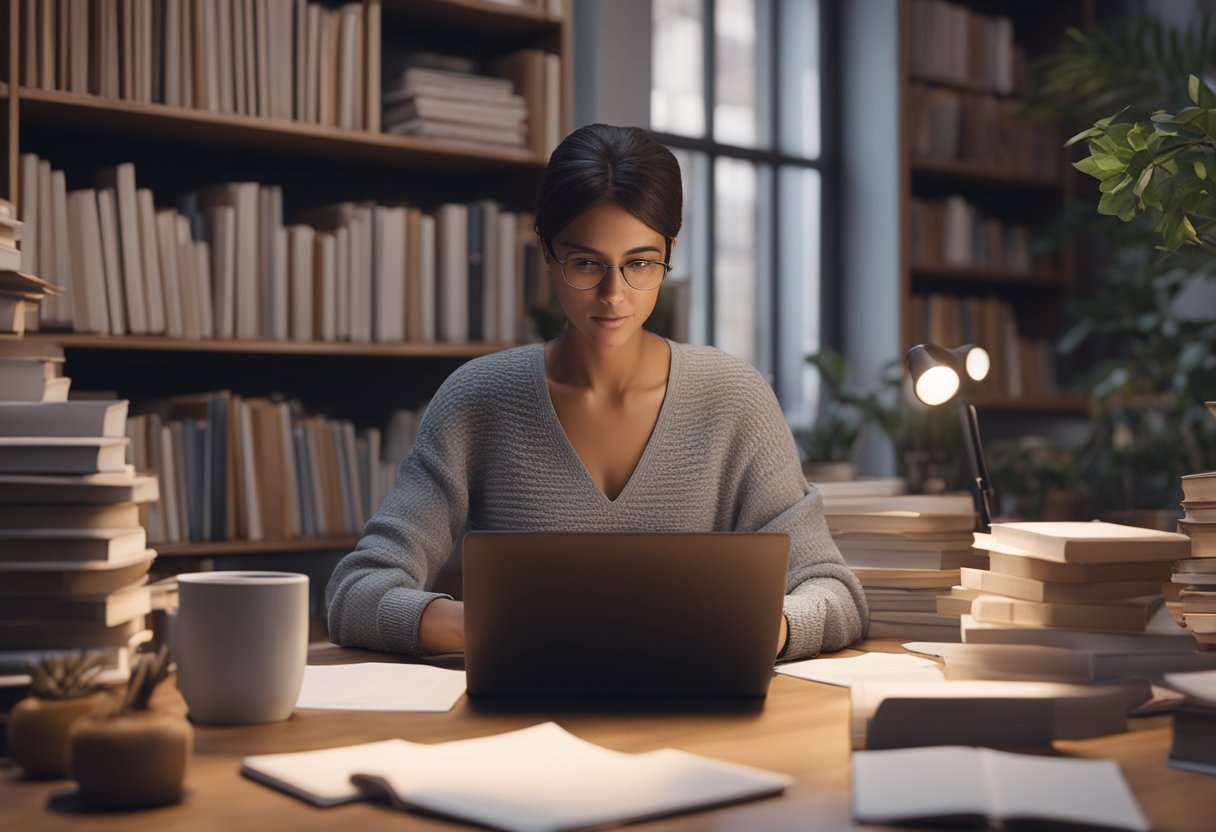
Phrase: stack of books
(906, 551)
(20, 293)
(73, 556)
(1194, 747)
(1197, 574)
(460, 106)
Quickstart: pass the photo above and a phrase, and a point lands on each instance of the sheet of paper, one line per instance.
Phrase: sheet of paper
(845, 672)
(380, 686)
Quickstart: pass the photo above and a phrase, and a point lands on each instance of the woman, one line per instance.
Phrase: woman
(605, 428)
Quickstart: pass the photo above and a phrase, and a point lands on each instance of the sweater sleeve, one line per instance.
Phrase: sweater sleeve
(378, 592)
(824, 603)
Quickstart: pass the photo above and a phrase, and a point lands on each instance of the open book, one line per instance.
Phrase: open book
(538, 779)
(956, 783)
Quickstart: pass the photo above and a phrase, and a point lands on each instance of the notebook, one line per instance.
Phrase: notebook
(625, 614)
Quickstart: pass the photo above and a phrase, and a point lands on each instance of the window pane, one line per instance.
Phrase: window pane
(736, 76)
(736, 289)
(677, 94)
(798, 292)
(690, 256)
(799, 103)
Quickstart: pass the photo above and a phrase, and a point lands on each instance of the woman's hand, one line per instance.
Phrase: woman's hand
(783, 634)
(441, 629)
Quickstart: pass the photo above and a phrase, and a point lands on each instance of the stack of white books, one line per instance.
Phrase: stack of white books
(1196, 575)
(73, 551)
(906, 550)
(455, 106)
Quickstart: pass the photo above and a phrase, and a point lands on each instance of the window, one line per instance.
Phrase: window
(736, 93)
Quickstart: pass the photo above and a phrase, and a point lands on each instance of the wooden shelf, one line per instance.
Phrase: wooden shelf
(963, 86)
(479, 16)
(115, 116)
(960, 169)
(979, 274)
(222, 548)
(164, 343)
(1061, 404)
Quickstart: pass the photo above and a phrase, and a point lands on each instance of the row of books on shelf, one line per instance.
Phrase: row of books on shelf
(281, 59)
(223, 264)
(1021, 366)
(251, 468)
(977, 128)
(953, 232)
(514, 100)
(951, 43)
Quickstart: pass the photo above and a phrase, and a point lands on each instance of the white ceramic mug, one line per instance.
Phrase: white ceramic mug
(240, 640)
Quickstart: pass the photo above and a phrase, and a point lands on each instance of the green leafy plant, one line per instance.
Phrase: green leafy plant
(1164, 169)
(842, 414)
(1027, 471)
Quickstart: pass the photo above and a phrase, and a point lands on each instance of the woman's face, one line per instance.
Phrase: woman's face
(613, 312)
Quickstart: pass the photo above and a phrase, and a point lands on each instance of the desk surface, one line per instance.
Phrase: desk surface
(801, 731)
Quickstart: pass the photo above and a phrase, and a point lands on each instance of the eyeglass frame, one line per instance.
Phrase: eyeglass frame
(618, 266)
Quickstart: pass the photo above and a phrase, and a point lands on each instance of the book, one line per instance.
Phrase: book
(1073, 542)
(62, 454)
(1021, 566)
(1124, 615)
(27, 635)
(85, 577)
(1202, 535)
(882, 558)
(75, 418)
(32, 381)
(1199, 487)
(901, 521)
(1030, 589)
(903, 713)
(955, 783)
(907, 578)
(110, 610)
(19, 545)
(113, 487)
(1036, 662)
(99, 516)
(1161, 634)
(537, 778)
(1194, 745)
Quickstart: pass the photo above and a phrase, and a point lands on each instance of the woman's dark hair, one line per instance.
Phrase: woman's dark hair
(602, 163)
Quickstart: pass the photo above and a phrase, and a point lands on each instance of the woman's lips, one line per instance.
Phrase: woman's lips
(610, 323)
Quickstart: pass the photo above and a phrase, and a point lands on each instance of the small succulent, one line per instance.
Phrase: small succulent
(149, 670)
(66, 676)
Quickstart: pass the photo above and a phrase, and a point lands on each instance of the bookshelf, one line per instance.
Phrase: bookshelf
(978, 183)
(179, 149)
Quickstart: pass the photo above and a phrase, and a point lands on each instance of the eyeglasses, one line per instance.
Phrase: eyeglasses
(584, 273)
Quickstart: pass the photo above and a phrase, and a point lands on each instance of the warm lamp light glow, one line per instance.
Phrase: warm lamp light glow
(937, 385)
(977, 363)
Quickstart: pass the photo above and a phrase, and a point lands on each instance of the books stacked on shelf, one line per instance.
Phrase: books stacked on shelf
(224, 264)
(73, 555)
(1021, 366)
(907, 550)
(283, 59)
(236, 468)
(953, 232)
(980, 130)
(20, 293)
(951, 44)
(1197, 573)
(1194, 746)
(458, 105)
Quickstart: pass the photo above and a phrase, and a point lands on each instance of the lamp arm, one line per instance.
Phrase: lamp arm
(981, 487)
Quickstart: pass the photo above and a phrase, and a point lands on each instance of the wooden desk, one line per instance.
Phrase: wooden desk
(801, 731)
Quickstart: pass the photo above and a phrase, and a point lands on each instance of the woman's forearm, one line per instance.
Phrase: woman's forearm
(441, 629)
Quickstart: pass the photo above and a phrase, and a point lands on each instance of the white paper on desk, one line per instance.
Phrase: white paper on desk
(380, 686)
(845, 672)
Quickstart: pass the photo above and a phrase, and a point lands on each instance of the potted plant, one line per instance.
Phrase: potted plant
(841, 416)
(63, 689)
(132, 756)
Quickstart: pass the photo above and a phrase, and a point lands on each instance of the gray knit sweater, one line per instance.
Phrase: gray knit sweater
(491, 454)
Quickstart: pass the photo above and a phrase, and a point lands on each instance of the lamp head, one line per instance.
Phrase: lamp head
(935, 373)
(974, 360)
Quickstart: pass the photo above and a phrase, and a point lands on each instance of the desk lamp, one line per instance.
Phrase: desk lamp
(936, 378)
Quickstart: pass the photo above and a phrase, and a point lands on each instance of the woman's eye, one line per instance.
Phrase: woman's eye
(637, 264)
(588, 264)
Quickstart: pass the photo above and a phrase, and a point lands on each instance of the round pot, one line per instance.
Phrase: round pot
(130, 761)
(38, 732)
(829, 471)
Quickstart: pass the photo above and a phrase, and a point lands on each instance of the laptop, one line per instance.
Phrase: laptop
(622, 614)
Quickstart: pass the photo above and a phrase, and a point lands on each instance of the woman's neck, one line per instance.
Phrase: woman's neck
(575, 361)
